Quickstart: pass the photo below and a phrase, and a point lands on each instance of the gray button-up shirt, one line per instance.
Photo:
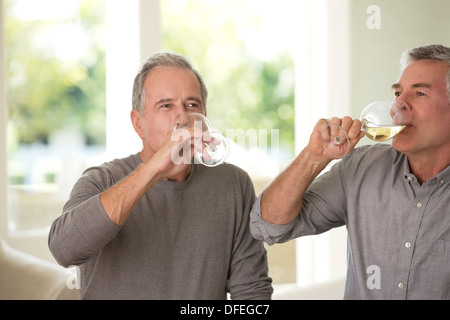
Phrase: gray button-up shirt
(398, 229)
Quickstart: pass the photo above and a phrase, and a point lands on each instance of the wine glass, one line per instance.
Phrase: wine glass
(211, 148)
(381, 121)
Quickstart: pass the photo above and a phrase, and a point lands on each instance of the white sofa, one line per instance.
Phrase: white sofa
(329, 290)
(25, 277)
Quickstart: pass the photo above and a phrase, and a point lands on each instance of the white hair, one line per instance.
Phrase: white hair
(168, 59)
(435, 52)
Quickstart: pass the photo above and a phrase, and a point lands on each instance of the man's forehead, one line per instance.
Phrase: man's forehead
(422, 74)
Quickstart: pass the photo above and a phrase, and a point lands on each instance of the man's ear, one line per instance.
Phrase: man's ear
(137, 121)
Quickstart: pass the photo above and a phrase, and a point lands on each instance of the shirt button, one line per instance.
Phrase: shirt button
(400, 285)
(419, 204)
(409, 178)
(441, 182)
(407, 244)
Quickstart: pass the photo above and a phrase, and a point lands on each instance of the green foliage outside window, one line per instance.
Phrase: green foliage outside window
(47, 91)
(245, 92)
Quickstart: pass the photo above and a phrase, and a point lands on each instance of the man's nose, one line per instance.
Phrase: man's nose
(406, 96)
(179, 117)
(178, 112)
(401, 111)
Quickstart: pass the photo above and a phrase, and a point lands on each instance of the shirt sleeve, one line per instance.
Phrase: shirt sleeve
(265, 231)
(323, 208)
(248, 278)
(84, 228)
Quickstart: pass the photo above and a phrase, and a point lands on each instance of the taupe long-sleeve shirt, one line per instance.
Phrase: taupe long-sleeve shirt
(183, 240)
(398, 230)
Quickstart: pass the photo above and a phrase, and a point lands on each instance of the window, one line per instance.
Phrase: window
(55, 68)
(241, 50)
(245, 51)
(271, 69)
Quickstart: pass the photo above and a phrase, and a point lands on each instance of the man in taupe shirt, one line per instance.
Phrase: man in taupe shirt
(393, 200)
(143, 227)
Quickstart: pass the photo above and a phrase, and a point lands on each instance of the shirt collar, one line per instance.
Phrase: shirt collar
(442, 177)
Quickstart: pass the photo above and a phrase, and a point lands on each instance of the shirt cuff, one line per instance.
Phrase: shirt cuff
(265, 231)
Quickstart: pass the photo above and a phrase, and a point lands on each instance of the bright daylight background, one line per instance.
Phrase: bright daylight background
(273, 68)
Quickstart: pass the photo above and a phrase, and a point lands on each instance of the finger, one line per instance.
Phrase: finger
(325, 130)
(346, 122)
(320, 124)
(206, 137)
(205, 154)
(335, 124)
(181, 153)
(181, 135)
(354, 131)
(183, 150)
(352, 127)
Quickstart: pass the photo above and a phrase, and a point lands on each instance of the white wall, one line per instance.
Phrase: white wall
(376, 52)
(3, 117)
(345, 62)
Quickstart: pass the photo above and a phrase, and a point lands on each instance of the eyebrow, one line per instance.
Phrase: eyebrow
(198, 100)
(165, 100)
(416, 85)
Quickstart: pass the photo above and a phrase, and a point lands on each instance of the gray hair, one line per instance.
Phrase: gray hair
(162, 59)
(432, 52)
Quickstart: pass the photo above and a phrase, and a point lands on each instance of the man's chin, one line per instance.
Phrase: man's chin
(400, 144)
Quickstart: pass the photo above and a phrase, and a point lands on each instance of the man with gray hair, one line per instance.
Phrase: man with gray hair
(393, 199)
(145, 227)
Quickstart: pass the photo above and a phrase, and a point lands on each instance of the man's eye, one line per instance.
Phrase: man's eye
(397, 94)
(192, 105)
(421, 94)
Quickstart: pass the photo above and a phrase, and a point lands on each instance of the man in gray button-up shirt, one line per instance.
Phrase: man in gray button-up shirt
(393, 200)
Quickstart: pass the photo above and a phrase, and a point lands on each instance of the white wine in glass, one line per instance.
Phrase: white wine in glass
(382, 133)
(381, 121)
